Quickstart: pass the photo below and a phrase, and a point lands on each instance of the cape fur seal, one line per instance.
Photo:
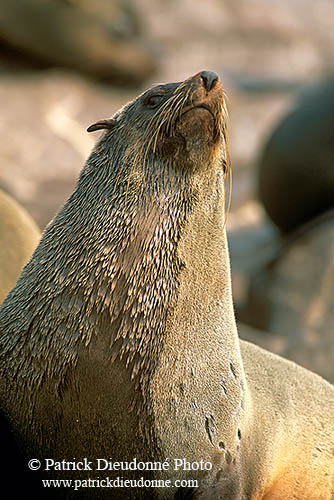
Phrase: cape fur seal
(19, 236)
(119, 339)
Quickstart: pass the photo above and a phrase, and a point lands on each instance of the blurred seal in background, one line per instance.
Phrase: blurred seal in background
(101, 38)
(19, 235)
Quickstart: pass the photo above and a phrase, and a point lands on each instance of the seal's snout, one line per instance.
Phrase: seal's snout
(210, 78)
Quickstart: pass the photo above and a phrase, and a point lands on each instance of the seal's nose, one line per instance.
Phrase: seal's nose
(209, 79)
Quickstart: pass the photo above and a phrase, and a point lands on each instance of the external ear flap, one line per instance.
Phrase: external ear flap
(102, 124)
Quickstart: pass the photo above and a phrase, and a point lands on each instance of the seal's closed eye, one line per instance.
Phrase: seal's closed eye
(154, 100)
(102, 124)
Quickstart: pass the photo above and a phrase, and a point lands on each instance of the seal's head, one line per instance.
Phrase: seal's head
(183, 123)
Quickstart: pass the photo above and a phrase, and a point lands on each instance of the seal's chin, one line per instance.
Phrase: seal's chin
(198, 121)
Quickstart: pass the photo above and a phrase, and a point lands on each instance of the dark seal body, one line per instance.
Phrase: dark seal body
(119, 339)
(296, 172)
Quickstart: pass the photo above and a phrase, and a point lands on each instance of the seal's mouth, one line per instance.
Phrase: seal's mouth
(199, 106)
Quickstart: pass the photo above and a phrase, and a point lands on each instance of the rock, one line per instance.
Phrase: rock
(292, 297)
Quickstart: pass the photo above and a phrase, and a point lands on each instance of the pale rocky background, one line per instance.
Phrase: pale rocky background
(266, 52)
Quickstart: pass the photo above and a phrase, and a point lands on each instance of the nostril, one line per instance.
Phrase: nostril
(210, 78)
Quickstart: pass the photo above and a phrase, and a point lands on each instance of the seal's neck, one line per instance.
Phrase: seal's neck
(199, 379)
(170, 279)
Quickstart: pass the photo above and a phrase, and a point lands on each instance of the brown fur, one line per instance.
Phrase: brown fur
(19, 236)
(119, 339)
